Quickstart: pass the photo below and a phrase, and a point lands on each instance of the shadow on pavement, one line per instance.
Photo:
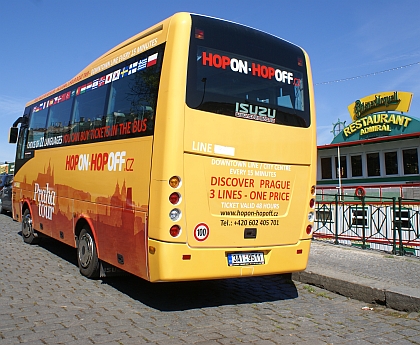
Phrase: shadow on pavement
(210, 293)
(57, 248)
(177, 296)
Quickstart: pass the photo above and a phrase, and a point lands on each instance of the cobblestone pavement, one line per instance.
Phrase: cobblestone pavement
(390, 269)
(44, 300)
(366, 275)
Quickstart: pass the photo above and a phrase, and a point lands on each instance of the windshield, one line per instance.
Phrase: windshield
(241, 72)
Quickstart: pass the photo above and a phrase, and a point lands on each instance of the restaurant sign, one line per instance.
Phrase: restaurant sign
(396, 101)
(379, 114)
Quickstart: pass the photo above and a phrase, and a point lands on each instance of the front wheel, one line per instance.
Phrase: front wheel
(28, 233)
(87, 256)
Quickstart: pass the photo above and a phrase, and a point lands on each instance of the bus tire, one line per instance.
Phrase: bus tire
(87, 256)
(28, 233)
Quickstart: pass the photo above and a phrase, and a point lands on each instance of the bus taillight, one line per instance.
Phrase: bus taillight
(312, 203)
(174, 198)
(309, 229)
(175, 230)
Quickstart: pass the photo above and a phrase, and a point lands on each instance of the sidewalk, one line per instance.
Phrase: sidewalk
(365, 275)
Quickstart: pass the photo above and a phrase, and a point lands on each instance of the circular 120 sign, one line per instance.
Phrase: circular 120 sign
(201, 232)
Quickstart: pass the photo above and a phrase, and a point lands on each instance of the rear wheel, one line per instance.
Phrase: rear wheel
(87, 256)
(1, 206)
(28, 233)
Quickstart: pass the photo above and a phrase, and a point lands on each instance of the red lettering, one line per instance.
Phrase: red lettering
(129, 164)
(75, 137)
(125, 128)
(68, 163)
(207, 59)
(93, 162)
(229, 194)
(257, 195)
(225, 62)
(264, 71)
(232, 182)
(71, 162)
(99, 161)
(279, 196)
(139, 126)
(256, 69)
(270, 72)
(277, 184)
(217, 60)
(105, 159)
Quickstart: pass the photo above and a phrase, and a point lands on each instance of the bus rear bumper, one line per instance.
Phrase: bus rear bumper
(179, 262)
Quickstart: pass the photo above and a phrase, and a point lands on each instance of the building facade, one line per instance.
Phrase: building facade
(378, 153)
(368, 181)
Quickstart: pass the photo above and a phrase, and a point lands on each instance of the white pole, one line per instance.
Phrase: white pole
(339, 170)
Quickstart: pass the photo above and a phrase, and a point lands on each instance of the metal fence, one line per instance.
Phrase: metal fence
(387, 224)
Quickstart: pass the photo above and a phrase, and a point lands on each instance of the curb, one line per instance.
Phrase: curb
(362, 289)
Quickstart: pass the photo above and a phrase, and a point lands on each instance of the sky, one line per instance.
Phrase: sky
(357, 48)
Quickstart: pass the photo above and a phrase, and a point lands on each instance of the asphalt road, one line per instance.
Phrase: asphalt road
(44, 300)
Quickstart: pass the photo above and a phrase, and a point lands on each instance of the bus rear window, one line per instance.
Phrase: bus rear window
(262, 87)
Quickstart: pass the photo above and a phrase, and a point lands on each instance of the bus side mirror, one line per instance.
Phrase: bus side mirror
(13, 135)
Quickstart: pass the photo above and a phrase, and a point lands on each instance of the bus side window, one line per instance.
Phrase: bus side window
(120, 101)
(88, 110)
(37, 128)
(133, 97)
(23, 136)
(59, 119)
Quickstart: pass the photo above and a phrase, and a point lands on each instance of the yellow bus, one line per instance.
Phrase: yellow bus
(186, 152)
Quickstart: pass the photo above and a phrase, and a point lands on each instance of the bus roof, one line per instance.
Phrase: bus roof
(134, 45)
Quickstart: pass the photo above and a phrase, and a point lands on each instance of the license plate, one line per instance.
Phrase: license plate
(241, 259)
